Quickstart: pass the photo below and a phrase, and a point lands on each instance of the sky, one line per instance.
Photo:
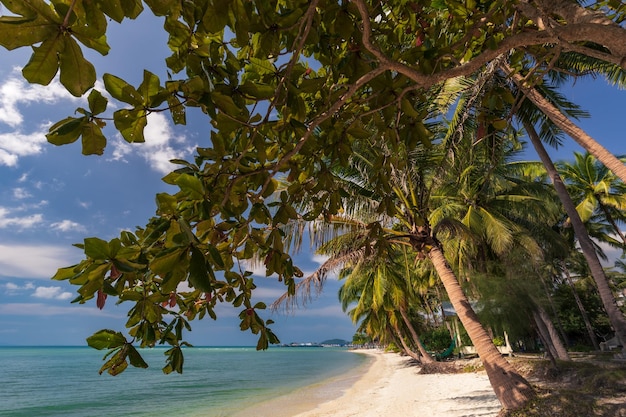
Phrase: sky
(52, 197)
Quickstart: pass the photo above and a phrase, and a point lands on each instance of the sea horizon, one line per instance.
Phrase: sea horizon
(220, 380)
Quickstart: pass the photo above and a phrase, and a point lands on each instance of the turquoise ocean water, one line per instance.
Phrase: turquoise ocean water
(217, 381)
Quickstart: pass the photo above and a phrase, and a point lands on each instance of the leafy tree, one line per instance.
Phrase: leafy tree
(269, 74)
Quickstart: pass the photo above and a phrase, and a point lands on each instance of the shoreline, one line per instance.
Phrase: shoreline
(386, 384)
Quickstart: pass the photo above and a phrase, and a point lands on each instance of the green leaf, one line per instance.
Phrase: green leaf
(94, 141)
(175, 361)
(191, 186)
(121, 90)
(163, 7)
(66, 131)
(96, 248)
(65, 273)
(166, 261)
(226, 104)
(44, 62)
(39, 23)
(149, 87)
(258, 91)
(97, 102)
(199, 271)
(177, 110)
(77, 74)
(166, 204)
(106, 339)
(112, 8)
(135, 358)
(132, 8)
(131, 124)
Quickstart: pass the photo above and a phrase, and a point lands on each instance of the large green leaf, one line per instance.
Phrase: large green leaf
(131, 124)
(121, 90)
(77, 74)
(38, 24)
(44, 62)
(191, 186)
(97, 248)
(97, 102)
(106, 339)
(66, 131)
(94, 141)
(112, 8)
(200, 272)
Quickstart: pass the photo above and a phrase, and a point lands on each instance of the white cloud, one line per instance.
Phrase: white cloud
(68, 226)
(14, 94)
(161, 145)
(16, 91)
(12, 288)
(20, 222)
(52, 293)
(20, 193)
(41, 261)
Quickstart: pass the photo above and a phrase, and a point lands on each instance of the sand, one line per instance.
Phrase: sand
(387, 385)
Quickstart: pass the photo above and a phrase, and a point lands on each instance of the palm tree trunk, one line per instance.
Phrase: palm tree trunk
(554, 310)
(559, 348)
(406, 349)
(581, 308)
(616, 317)
(510, 387)
(545, 339)
(564, 123)
(426, 358)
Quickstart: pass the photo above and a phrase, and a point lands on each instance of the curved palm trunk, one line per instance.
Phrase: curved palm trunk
(583, 311)
(545, 339)
(426, 358)
(510, 387)
(597, 272)
(553, 335)
(406, 349)
(564, 123)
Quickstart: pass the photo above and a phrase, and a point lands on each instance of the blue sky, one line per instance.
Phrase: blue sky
(52, 197)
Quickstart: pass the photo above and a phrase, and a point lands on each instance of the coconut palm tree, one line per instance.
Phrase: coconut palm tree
(596, 190)
(376, 286)
(393, 185)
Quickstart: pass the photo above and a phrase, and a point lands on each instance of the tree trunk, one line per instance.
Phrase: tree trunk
(407, 350)
(559, 348)
(510, 387)
(426, 358)
(545, 339)
(564, 123)
(554, 310)
(597, 272)
(583, 311)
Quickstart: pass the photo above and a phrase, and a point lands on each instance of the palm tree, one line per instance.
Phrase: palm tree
(538, 109)
(616, 317)
(596, 190)
(398, 198)
(376, 286)
(565, 124)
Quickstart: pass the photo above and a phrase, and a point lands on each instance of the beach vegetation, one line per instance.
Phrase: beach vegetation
(425, 101)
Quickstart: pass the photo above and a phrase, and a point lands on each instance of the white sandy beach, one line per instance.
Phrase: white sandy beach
(388, 387)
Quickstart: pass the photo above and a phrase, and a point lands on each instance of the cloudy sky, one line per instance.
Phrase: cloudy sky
(52, 197)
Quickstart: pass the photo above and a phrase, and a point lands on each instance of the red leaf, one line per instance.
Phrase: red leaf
(101, 299)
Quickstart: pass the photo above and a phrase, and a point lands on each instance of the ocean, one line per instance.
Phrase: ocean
(216, 381)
